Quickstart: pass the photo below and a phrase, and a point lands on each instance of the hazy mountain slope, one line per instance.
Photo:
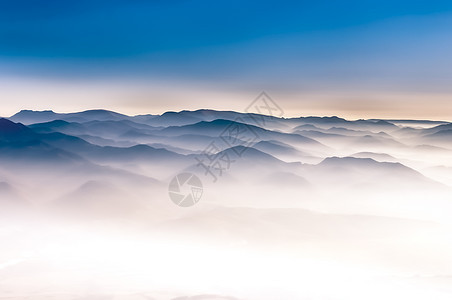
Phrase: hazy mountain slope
(18, 141)
(381, 157)
(99, 199)
(366, 173)
(447, 126)
(10, 198)
(103, 129)
(329, 122)
(278, 149)
(244, 164)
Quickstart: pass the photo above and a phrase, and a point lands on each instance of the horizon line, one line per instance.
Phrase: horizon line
(233, 111)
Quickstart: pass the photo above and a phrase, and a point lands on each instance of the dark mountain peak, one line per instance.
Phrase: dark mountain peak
(172, 118)
(182, 113)
(32, 116)
(333, 119)
(170, 113)
(100, 112)
(203, 110)
(217, 113)
(226, 122)
(222, 122)
(9, 129)
(41, 112)
(6, 122)
(307, 127)
(211, 124)
(143, 147)
(347, 160)
(383, 122)
(351, 162)
(54, 123)
(27, 113)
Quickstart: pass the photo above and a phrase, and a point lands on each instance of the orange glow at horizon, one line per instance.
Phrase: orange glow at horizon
(156, 97)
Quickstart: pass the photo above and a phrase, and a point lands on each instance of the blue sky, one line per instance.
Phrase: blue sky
(310, 53)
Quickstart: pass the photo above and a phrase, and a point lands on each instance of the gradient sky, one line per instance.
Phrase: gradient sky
(356, 59)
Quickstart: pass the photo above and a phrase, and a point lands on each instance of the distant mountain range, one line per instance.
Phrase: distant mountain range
(93, 150)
